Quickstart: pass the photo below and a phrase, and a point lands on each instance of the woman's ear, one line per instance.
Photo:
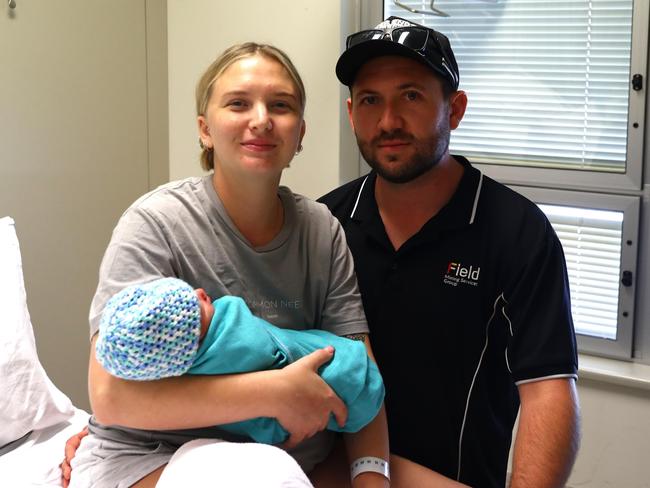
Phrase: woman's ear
(303, 129)
(457, 106)
(204, 132)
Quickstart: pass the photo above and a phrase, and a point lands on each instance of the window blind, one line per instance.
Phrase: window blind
(547, 80)
(591, 240)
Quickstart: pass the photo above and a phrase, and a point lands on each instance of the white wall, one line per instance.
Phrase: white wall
(76, 94)
(616, 437)
(308, 30)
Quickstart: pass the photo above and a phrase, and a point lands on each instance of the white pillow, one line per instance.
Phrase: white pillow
(28, 399)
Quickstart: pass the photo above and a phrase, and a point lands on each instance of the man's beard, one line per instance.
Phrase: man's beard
(428, 153)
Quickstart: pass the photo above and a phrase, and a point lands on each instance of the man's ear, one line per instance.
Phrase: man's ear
(349, 102)
(457, 106)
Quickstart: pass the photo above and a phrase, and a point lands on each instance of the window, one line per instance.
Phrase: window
(591, 240)
(548, 81)
(599, 236)
(553, 112)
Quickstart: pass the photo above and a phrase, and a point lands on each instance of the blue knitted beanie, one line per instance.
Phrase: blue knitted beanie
(150, 331)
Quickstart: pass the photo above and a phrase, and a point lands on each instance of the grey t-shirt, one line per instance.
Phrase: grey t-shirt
(304, 278)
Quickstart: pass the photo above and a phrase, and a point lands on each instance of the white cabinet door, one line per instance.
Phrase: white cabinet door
(73, 156)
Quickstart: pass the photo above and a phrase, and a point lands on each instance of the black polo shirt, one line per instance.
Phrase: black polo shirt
(474, 303)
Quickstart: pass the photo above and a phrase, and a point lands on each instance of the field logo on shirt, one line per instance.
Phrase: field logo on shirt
(457, 273)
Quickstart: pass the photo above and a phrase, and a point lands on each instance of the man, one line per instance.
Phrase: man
(463, 280)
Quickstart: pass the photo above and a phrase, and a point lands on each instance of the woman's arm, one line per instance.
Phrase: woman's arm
(372, 440)
(295, 395)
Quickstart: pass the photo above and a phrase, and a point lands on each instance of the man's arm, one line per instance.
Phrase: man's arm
(407, 474)
(548, 436)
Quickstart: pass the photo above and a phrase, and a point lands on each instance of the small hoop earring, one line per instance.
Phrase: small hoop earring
(299, 149)
(203, 146)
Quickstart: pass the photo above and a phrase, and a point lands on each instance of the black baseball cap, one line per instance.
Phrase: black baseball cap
(399, 37)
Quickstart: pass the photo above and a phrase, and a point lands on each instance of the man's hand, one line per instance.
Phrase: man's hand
(71, 446)
(306, 401)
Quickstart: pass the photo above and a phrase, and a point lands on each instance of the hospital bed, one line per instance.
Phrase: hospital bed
(36, 418)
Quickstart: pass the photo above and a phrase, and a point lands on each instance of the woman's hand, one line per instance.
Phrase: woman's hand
(306, 401)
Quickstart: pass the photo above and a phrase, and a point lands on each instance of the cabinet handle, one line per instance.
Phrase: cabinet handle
(12, 4)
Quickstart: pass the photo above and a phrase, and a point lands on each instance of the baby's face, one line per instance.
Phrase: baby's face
(207, 310)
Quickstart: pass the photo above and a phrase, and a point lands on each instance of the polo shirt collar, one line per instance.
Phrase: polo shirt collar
(366, 212)
(459, 212)
(461, 209)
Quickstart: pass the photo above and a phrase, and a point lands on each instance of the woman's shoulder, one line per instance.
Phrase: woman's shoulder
(167, 205)
(310, 210)
(315, 224)
(171, 197)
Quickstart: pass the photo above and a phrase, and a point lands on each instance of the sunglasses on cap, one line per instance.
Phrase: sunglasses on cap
(402, 38)
(413, 37)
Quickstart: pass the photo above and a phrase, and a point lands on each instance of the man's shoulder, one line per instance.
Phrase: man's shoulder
(506, 203)
(507, 214)
(341, 200)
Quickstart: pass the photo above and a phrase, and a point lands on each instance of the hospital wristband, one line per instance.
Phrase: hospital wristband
(369, 463)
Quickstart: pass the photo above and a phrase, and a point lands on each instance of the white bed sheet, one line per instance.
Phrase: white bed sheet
(35, 463)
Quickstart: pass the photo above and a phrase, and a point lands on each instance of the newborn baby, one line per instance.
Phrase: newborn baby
(166, 328)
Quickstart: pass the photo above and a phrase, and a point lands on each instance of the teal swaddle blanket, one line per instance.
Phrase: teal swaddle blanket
(239, 342)
(151, 331)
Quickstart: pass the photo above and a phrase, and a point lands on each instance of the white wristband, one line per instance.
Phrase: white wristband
(369, 463)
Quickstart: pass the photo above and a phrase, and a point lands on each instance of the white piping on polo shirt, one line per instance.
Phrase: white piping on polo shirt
(529, 380)
(476, 197)
(507, 362)
(469, 394)
(478, 367)
(478, 193)
(359, 196)
(550, 377)
(503, 311)
(471, 387)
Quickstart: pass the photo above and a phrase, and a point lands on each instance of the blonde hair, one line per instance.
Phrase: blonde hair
(223, 62)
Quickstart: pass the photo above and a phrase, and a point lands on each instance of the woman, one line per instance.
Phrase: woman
(233, 232)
